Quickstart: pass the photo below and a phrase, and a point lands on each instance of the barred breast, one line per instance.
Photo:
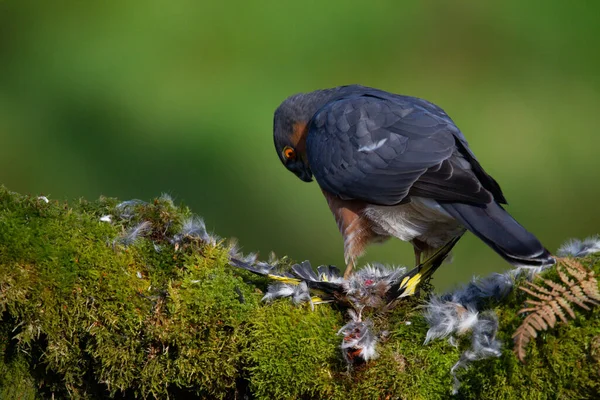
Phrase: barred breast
(421, 219)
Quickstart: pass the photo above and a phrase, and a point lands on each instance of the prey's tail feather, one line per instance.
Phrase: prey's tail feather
(408, 284)
(500, 231)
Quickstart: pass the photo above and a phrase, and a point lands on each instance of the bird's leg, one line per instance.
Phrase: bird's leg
(417, 256)
(348, 270)
(419, 247)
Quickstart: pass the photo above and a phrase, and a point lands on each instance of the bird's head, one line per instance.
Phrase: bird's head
(290, 128)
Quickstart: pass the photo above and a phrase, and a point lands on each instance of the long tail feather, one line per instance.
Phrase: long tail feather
(499, 230)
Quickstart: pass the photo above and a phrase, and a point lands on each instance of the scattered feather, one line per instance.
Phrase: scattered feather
(166, 197)
(193, 228)
(213, 239)
(234, 249)
(580, 248)
(496, 286)
(448, 318)
(456, 314)
(359, 342)
(298, 293)
(134, 233)
(529, 271)
(44, 199)
(453, 342)
(250, 258)
(126, 209)
(106, 218)
(483, 344)
(273, 260)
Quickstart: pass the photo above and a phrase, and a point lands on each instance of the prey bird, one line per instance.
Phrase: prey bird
(396, 166)
(374, 286)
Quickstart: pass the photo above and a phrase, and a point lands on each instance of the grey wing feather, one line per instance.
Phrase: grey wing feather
(304, 271)
(486, 180)
(383, 148)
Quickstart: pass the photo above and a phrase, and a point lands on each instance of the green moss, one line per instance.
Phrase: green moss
(131, 318)
(293, 351)
(83, 315)
(16, 381)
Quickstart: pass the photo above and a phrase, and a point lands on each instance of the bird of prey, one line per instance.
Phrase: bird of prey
(396, 166)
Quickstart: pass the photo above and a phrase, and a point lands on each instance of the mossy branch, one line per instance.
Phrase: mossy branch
(95, 305)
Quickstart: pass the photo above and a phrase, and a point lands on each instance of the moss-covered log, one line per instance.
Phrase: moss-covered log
(92, 308)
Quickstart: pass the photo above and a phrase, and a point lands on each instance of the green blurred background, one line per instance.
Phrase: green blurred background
(133, 98)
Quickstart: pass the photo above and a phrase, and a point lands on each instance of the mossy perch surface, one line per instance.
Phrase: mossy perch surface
(88, 313)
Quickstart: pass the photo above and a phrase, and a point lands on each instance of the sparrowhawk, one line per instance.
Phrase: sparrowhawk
(394, 165)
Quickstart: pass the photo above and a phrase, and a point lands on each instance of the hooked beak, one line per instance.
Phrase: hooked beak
(305, 174)
(301, 170)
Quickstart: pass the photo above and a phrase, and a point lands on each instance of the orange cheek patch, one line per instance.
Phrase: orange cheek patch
(298, 138)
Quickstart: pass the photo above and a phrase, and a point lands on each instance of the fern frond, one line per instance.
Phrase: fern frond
(591, 291)
(542, 293)
(556, 310)
(554, 300)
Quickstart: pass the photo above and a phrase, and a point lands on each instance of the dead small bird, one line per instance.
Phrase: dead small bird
(374, 286)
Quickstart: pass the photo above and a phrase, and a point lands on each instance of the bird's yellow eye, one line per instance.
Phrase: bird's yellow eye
(289, 153)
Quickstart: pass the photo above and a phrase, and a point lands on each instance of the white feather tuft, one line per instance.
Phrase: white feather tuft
(580, 248)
